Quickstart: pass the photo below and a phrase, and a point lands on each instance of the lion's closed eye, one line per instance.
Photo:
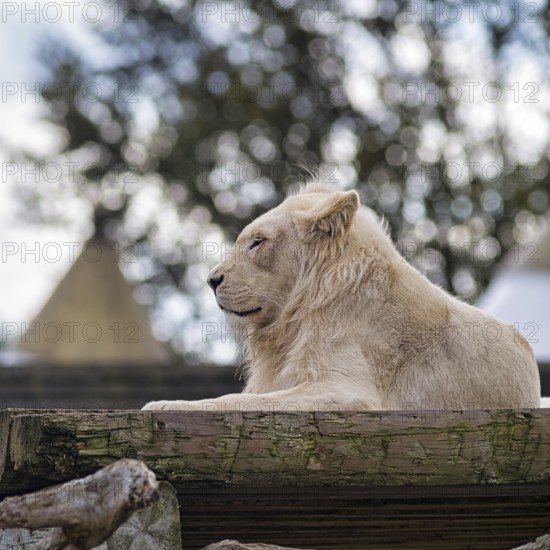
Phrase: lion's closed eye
(256, 242)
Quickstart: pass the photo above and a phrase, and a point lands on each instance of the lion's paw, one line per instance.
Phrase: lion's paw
(173, 406)
(163, 406)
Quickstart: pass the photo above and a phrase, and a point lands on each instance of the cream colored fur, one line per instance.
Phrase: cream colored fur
(346, 324)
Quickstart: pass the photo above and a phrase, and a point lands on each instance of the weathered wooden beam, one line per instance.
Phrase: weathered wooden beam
(377, 449)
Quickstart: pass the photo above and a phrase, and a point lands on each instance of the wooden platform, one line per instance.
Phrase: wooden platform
(403, 479)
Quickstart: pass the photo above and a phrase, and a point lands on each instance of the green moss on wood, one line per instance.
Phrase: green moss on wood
(327, 449)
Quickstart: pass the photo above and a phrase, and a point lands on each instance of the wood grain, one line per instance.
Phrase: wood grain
(378, 449)
(404, 479)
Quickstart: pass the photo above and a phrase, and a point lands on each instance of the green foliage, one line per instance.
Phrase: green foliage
(214, 106)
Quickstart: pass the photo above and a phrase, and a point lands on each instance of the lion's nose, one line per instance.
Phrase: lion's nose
(214, 281)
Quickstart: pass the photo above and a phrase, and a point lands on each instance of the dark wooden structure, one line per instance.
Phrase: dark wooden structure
(122, 386)
(403, 479)
(117, 386)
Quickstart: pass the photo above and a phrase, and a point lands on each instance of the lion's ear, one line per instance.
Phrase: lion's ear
(333, 216)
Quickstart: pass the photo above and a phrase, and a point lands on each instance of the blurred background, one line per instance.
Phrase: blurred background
(138, 138)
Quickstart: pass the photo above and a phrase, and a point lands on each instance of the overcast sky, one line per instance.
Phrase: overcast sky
(27, 281)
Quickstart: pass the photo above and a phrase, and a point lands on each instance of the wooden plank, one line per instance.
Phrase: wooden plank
(347, 521)
(378, 449)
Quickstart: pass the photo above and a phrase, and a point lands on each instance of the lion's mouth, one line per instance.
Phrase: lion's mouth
(241, 313)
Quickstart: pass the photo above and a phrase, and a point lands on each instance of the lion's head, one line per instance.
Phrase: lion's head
(274, 252)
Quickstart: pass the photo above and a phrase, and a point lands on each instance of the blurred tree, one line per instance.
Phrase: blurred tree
(201, 117)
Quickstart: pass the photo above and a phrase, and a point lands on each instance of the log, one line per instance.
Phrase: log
(236, 545)
(542, 543)
(155, 527)
(376, 449)
(85, 512)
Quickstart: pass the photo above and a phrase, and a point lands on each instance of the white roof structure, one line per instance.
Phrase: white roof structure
(92, 317)
(520, 293)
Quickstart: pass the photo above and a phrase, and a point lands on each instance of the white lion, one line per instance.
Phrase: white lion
(334, 318)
